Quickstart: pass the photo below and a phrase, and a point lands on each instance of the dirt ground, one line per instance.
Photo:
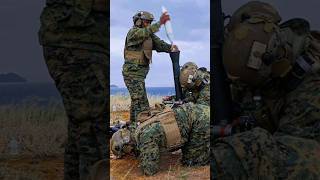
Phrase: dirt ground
(49, 168)
(170, 168)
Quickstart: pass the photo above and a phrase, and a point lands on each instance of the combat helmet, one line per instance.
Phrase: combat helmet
(120, 142)
(142, 15)
(252, 9)
(268, 51)
(190, 76)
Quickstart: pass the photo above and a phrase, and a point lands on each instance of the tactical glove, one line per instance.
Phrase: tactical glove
(164, 18)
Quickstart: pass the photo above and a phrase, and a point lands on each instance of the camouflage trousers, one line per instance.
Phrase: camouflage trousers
(257, 154)
(81, 78)
(134, 78)
(194, 123)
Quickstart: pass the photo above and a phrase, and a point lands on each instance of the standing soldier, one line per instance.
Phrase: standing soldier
(74, 36)
(140, 42)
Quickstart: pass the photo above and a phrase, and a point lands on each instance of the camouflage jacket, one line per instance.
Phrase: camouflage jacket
(74, 24)
(152, 139)
(294, 113)
(136, 36)
(198, 96)
(290, 148)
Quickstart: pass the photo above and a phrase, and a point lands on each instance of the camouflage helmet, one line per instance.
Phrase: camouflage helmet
(144, 15)
(254, 53)
(120, 142)
(253, 9)
(188, 75)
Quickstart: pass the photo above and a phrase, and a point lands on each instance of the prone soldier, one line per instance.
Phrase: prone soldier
(165, 129)
(275, 80)
(195, 84)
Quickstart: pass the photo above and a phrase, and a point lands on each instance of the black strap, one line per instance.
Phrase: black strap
(302, 66)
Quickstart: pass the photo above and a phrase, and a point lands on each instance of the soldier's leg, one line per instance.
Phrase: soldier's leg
(138, 94)
(197, 150)
(84, 98)
(60, 71)
(71, 154)
(93, 144)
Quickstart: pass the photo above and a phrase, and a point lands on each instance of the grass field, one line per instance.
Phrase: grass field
(32, 139)
(32, 136)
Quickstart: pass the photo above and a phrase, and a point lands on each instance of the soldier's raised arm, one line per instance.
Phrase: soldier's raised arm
(160, 45)
(140, 32)
(137, 35)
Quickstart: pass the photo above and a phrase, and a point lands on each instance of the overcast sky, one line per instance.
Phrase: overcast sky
(191, 27)
(21, 52)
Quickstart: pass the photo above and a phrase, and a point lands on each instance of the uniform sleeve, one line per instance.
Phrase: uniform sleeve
(137, 35)
(149, 148)
(188, 96)
(204, 96)
(160, 45)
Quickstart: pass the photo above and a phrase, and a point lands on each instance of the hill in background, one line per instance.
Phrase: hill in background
(11, 77)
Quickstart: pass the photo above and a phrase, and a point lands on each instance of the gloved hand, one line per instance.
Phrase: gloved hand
(164, 18)
(167, 98)
(174, 48)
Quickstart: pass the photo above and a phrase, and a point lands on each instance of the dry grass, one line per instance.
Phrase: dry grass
(120, 106)
(32, 137)
(38, 130)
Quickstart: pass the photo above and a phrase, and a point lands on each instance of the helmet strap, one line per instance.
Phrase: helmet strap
(138, 23)
(302, 66)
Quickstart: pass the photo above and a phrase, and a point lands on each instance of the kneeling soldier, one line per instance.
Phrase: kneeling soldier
(186, 127)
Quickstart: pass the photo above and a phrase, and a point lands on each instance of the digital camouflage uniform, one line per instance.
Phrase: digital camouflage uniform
(74, 38)
(285, 145)
(135, 70)
(199, 95)
(292, 152)
(194, 123)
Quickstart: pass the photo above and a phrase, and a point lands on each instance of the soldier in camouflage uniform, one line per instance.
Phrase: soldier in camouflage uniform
(187, 126)
(195, 84)
(140, 42)
(74, 36)
(278, 87)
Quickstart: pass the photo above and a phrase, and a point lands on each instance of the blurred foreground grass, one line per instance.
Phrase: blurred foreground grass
(32, 129)
(32, 135)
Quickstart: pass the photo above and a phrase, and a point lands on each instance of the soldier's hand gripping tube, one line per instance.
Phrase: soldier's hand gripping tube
(220, 131)
(176, 73)
(240, 124)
